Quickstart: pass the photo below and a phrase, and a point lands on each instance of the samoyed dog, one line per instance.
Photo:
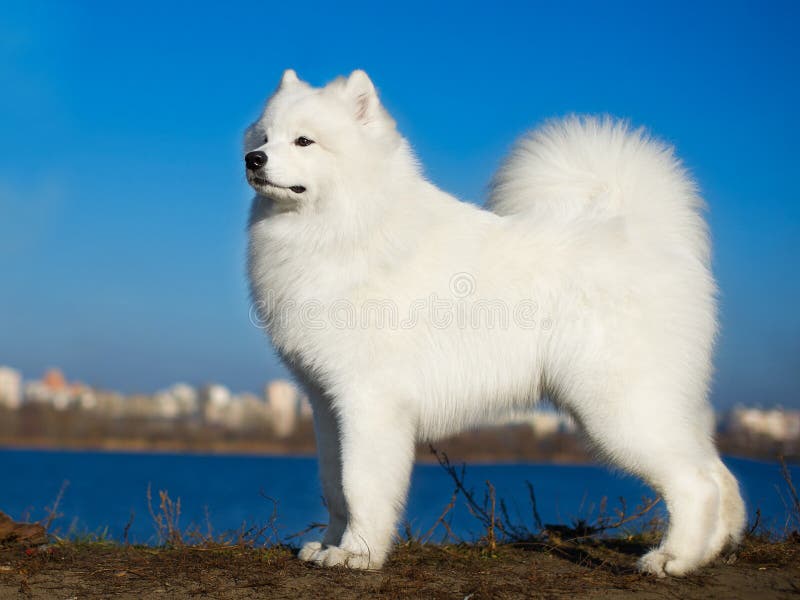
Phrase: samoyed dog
(409, 315)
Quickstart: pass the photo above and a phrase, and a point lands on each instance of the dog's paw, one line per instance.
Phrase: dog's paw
(334, 556)
(309, 551)
(660, 563)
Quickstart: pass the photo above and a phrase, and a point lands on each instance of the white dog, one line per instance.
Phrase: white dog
(409, 315)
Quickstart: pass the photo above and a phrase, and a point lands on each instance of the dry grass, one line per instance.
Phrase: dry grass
(500, 527)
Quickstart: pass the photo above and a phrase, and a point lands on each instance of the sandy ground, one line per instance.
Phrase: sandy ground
(596, 570)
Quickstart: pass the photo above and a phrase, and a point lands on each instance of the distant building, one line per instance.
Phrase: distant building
(543, 422)
(54, 390)
(233, 411)
(35, 392)
(83, 396)
(283, 401)
(215, 399)
(186, 397)
(10, 388)
(547, 423)
(140, 406)
(110, 404)
(246, 411)
(55, 381)
(178, 401)
(779, 425)
(306, 411)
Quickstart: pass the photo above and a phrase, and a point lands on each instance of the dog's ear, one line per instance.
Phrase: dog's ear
(289, 78)
(362, 94)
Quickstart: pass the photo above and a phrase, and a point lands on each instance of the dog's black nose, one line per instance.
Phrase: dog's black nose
(255, 160)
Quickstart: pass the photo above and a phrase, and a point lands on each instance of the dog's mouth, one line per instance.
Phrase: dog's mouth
(266, 183)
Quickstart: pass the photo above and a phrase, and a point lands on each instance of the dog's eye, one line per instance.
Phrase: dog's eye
(266, 139)
(303, 141)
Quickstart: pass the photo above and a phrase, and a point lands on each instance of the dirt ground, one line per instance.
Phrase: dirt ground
(597, 570)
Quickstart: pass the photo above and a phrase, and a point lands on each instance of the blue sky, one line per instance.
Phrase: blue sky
(122, 200)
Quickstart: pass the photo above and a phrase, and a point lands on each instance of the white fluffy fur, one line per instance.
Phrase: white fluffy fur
(594, 247)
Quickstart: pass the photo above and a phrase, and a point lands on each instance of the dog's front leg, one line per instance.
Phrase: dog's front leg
(326, 429)
(377, 449)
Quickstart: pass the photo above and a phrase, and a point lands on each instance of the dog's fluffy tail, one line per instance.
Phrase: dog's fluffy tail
(599, 168)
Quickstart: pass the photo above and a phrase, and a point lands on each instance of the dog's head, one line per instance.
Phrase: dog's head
(309, 141)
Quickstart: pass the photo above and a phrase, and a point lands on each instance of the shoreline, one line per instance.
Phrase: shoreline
(276, 450)
(265, 451)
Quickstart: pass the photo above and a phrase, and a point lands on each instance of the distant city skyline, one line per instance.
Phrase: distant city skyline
(123, 203)
(281, 405)
(284, 403)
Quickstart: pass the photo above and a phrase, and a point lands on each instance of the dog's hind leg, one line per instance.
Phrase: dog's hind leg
(732, 517)
(693, 502)
(671, 449)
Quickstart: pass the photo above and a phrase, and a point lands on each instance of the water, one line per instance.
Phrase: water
(105, 489)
